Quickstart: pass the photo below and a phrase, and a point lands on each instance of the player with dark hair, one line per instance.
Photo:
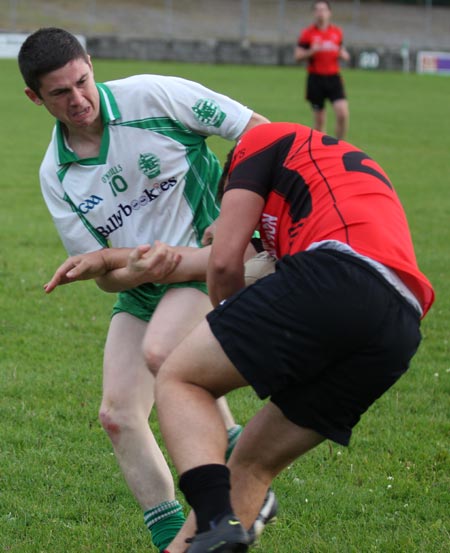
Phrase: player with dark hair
(323, 337)
(128, 164)
(321, 44)
(36, 59)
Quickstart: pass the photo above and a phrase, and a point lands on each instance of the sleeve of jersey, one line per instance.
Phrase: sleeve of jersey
(253, 164)
(304, 40)
(74, 233)
(200, 109)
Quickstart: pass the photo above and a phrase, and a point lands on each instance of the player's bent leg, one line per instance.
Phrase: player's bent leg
(195, 373)
(269, 443)
(342, 117)
(178, 312)
(126, 405)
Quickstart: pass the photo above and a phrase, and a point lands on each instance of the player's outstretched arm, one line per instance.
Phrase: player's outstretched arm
(87, 266)
(117, 269)
(109, 268)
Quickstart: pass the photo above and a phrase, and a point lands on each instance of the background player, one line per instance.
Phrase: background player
(324, 336)
(128, 164)
(321, 44)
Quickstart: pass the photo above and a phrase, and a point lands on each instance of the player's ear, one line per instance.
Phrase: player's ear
(33, 97)
(89, 62)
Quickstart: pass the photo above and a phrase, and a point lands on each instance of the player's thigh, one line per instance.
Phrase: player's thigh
(315, 92)
(200, 360)
(334, 87)
(178, 312)
(126, 378)
(272, 442)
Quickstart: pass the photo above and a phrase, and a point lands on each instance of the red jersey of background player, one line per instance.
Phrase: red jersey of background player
(329, 40)
(318, 188)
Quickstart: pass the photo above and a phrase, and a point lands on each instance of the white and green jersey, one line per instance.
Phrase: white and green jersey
(154, 179)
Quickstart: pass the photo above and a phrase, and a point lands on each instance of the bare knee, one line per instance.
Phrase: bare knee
(341, 111)
(341, 118)
(117, 420)
(155, 354)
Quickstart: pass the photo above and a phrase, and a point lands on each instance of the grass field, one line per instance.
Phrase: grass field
(60, 488)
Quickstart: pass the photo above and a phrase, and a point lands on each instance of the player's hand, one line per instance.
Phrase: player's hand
(155, 262)
(344, 54)
(78, 267)
(208, 235)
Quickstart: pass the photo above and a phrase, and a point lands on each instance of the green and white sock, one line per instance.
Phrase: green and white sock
(164, 522)
(233, 436)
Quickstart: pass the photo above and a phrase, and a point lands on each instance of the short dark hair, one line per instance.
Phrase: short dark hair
(46, 50)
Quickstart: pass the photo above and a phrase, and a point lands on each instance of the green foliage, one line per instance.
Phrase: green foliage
(60, 487)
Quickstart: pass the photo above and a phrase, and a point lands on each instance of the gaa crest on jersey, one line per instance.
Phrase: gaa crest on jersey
(208, 112)
(150, 165)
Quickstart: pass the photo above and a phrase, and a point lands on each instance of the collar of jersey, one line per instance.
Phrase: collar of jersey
(109, 112)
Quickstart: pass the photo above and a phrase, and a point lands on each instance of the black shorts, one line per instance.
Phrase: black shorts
(324, 87)
(324, 337)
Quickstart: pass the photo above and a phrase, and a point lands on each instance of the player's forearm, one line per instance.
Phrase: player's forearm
(118, 280)
(343, 54)
(224, 282)
(193, 265)
(87, 266)
(301, 54)
(115, 278)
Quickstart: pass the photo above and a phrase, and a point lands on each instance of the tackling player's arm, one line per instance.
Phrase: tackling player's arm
(165, 264)
(239, 216)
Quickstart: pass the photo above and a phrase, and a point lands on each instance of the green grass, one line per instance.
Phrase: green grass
(60, 487)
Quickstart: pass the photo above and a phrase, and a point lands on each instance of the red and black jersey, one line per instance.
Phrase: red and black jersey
(319, 188)
(326, 60)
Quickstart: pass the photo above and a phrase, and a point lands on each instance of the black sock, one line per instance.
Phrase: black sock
(207, 490)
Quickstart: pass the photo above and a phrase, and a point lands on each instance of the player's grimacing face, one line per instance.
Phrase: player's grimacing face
(70, 94)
